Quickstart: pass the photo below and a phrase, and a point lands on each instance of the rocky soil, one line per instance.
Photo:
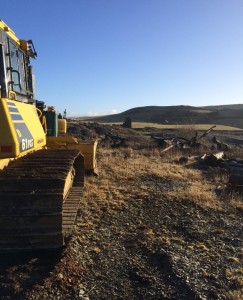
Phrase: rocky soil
(135, 237)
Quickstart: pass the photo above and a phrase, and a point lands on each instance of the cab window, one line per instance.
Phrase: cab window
(18, 69)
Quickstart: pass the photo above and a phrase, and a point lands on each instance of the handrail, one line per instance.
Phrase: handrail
(42, 119)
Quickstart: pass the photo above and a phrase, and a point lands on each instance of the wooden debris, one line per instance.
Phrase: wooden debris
(181, 142)
(206, 132)
(219, 145)
(163, 142)
(213, 159)
(168, 148)
(233, 167)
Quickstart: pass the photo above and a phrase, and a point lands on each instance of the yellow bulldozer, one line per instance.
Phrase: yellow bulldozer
(41, 167)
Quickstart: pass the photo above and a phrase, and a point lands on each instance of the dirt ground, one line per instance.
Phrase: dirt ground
(140, 232)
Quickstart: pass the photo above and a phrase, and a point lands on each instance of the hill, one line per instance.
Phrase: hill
(231, 115)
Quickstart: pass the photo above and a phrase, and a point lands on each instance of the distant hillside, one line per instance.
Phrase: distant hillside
(231, 115)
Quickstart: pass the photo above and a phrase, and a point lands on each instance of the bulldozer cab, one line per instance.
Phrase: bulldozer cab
(22, 131)
(16, 78)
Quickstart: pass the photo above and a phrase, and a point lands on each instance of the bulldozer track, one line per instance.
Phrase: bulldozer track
(70, 208)
(40, 194)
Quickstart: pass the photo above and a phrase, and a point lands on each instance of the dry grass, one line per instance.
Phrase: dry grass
(144, 203)
(236, 295)
(119, 168)
(235, 153)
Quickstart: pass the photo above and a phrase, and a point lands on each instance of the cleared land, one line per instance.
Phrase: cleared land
(147, 228)
(180, 126)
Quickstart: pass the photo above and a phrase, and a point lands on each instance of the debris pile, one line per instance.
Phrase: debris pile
(233, 167)
(111, 136)
(183, 143)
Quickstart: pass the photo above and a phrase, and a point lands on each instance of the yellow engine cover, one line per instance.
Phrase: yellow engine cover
(20, 129)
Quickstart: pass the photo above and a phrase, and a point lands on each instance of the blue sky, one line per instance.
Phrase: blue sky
(107, 56)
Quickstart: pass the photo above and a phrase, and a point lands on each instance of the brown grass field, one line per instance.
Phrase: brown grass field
(147, 207)
(180, 126)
